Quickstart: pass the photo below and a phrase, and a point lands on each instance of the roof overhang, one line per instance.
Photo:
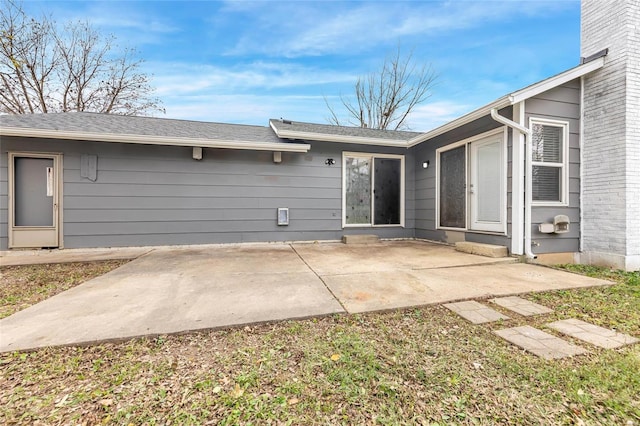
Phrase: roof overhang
(328, 137)
(155, 140)
(513, 98)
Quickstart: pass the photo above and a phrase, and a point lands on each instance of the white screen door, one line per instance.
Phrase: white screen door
(34, 200)
(486, 191)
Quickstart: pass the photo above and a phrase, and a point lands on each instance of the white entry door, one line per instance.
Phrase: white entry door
(487, 189)
(34, 198)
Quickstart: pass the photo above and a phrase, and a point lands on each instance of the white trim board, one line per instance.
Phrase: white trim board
(327, 137)
(155, 140)
(513, 98)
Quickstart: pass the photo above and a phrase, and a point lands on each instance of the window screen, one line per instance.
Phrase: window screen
(452, 188)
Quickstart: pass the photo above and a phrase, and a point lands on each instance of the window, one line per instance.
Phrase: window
(373, 190)
(549, 161)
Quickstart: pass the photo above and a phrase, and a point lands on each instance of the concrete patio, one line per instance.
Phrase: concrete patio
(173, 290)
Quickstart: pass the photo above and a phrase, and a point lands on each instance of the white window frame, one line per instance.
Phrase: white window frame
(372, 156)
(467, 213)
(564, 165)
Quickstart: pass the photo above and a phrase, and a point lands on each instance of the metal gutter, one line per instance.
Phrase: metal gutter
(155, 140)
(461, 121)
(513, 98)
(556, 80)
(327, 137)
(527, 182)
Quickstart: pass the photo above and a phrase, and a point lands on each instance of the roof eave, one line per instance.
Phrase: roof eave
(460, 121)
(327, 137)
(513, 98)
(556, 80)
(155, 140)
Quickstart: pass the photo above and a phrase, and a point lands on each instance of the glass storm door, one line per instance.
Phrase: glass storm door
(486, 193)
(34, 199)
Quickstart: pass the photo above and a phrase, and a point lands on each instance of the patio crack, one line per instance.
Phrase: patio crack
(320, 278)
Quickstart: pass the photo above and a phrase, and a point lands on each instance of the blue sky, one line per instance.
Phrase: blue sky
(246, 62)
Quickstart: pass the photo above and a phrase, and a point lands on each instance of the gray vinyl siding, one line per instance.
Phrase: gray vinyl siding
(425, 210)
(159, 195)
(563, 104)
(4, 199)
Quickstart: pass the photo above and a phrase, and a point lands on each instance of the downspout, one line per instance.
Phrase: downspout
(527, 179)
(581, 240)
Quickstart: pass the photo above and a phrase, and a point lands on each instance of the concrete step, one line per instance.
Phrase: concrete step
(488, 250)
(360, 239)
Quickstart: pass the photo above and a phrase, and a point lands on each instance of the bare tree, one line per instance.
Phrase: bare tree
(384, 99)
(46, 68)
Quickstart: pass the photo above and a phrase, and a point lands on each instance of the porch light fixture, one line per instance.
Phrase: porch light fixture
(425, 164)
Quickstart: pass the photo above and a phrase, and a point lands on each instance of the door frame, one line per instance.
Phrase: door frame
(372, 156)
(57, 195)
(473, 169)
(467, 142)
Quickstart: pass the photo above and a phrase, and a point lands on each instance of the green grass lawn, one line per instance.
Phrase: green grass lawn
(414, 366)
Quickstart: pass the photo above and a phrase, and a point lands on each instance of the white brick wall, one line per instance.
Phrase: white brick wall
(611, 139)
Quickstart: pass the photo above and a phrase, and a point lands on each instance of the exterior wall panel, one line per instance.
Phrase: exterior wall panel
(4, 199)
(159, 195)
(425, 189)
(563, 104)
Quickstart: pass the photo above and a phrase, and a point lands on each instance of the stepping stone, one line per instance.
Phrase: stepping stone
(521, 306)
(539, 343)
(598, 336)
(475, 312)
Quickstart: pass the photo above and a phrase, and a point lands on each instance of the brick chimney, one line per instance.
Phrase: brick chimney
(611, 135)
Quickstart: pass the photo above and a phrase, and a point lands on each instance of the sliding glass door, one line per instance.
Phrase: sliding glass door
(373, 190)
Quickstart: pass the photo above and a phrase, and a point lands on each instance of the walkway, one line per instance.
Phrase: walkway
(171, 290)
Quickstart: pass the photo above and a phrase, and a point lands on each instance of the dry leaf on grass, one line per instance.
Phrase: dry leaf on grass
(237, 391)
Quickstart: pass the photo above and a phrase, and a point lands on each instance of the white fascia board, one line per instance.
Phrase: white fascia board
(513, 98)
(326, 137)
(461, 121)
(555, 81)
(155, 140)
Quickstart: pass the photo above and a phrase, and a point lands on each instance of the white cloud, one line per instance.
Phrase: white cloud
(184, 78)
(431, 115)
(246, 109)
(318, 28)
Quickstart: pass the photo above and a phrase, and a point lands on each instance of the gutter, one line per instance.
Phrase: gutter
(527, 182)
(327, 137)
(590, 64)
(156, 140)
(467, 118)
